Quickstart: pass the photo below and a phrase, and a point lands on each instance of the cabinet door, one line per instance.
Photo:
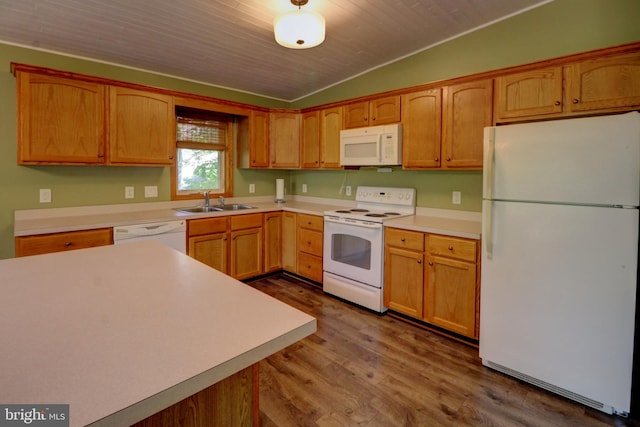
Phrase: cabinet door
(210, 249)
(272, 241)
(289, 239)
(142, 127)
(403, 281)
(330, 126)
(310, 140)
(246, 253)
(284, 140)
(384, 110)
(356, 115)
(529, 94)
(450, 295)
(467, 111)
(604, 83)
(259, 139)
(421, 129)
(60, 120)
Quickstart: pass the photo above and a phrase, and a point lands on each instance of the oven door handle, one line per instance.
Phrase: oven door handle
(356, 223)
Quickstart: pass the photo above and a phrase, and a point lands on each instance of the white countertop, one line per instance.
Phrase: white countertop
(121, 332)
(43, 221)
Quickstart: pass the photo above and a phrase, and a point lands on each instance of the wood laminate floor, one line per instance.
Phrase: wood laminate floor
(360, 368)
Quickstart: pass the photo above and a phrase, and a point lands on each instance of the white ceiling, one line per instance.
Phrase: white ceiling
(230, 43)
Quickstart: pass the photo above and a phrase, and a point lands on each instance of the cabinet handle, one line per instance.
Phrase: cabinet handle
(448, 159)
(557, 103)
(419, 261)
(450, 247)
(437, 159)
(402, 239)
(67, 244)
(431, 263)
(575, 101)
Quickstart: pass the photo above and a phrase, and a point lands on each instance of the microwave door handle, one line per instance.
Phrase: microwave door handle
(379, 137)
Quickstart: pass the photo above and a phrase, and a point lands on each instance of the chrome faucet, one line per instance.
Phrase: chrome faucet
(221, 200)
(206, 199)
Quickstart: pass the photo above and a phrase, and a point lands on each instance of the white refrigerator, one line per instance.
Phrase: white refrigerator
(560, 255)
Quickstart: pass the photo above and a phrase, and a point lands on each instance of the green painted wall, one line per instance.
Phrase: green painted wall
(558, 28)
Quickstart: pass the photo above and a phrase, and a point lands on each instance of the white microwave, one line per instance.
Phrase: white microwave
(371, 146)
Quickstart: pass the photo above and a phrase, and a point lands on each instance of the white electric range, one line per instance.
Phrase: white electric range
(353, 260)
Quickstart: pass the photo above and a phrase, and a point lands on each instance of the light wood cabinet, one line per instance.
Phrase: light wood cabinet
(310, 139)
(60, 120)
(404, 271)
(529, 94)
(289, 242)
(272, 227)
(59, 242)
(142, 127)
(309, 246)
(467, 110)
(379, 111)
(598, 85)
(433, 278)
(421, 129)
(246, 246)
(208, 242)
(330, 126)
(608, 83)
(253, 140)
(450, 298)
(284, 141)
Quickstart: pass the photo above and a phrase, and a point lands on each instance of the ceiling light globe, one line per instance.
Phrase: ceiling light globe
(299, 29)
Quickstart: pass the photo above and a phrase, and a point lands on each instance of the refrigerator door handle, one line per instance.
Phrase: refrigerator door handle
(489, 141)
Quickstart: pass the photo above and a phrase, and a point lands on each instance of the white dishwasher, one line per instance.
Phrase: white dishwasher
(170, 233)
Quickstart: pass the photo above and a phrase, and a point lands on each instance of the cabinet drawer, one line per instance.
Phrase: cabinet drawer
(310, 241)
(239, 222)
(452, 247)
(58, 242)
(310, 266)
(198, 227)
(404, 239)
(314, 222)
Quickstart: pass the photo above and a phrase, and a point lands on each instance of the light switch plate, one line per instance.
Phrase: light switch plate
(129, 192)
(252, 188)
(45, 195)
(304, 188)
(150, 191)
(456, 198)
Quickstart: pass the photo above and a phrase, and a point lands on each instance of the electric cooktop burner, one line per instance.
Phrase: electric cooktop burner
(377, 204)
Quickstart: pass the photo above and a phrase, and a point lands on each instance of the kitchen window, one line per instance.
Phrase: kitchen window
(203, 153)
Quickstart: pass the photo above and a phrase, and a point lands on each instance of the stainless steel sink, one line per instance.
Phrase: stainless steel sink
(217, 208)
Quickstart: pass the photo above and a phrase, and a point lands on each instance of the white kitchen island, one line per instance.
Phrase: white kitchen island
(122, 332)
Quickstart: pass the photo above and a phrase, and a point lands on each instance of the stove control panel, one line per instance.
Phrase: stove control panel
(387, 195)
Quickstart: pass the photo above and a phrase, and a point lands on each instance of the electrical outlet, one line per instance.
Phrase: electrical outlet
(151, 191)
(45, 195)
(347, 190)
(456, 198)
(129, 192)
(304, 188)
(252, 188)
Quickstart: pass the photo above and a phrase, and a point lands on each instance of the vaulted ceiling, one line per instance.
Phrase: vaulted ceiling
(230, 43)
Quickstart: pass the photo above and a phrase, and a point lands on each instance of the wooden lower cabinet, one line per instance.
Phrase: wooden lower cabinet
(272, 241)
(444, 291)
(59, 242)
(246, 253)
(289, 242)
(208, 242)
(234, 401)
(309, 243)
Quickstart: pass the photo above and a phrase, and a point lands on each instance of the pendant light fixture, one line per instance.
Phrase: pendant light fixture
(299, 29)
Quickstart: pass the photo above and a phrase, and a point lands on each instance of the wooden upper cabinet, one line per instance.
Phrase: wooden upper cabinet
(330, 126)
(529, 94)
(284, 141)
(467, 110)
(259, 139)
(60, 120)
(378, 111)
(310, 139)
(421, 129)
(608, 83)
(142, 127)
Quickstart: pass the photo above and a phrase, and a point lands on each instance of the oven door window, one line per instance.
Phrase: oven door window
(351, 250)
